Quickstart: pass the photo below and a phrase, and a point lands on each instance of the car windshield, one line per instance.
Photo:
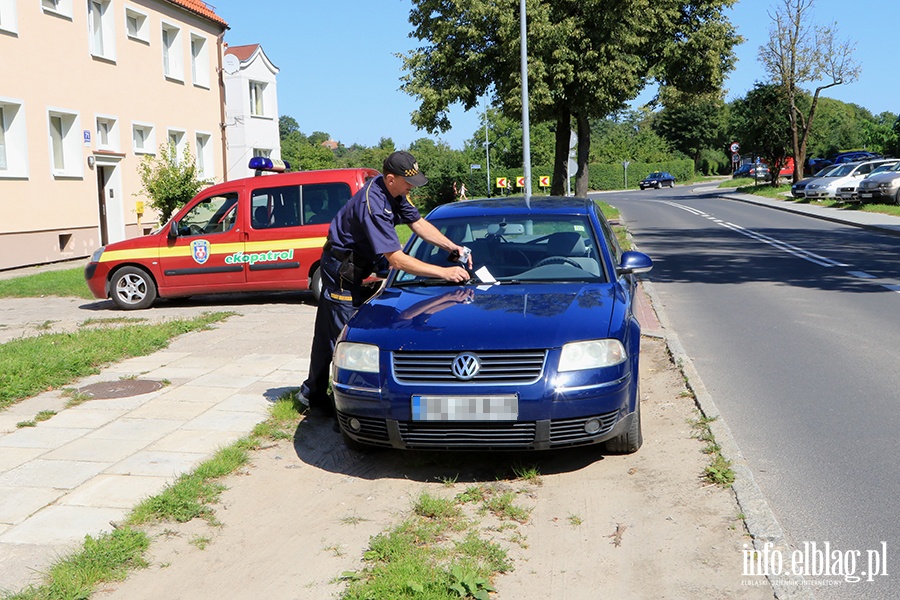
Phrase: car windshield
(653, 176)
(842, 170)
(516, 249)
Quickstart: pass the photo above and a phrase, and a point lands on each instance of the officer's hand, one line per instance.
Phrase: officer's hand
(455, 274)
(459, 250)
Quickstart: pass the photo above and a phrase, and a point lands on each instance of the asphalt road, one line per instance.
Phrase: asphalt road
(791, 323)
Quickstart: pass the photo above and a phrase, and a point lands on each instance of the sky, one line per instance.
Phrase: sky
(340, 73)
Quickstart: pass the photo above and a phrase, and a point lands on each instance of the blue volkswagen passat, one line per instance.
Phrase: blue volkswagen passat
(538, 350)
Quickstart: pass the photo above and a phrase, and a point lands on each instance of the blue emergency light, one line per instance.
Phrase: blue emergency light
(262, 163)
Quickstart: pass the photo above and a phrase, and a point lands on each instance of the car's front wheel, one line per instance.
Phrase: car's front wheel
(897, 197)
(132, 288)
(630, 441)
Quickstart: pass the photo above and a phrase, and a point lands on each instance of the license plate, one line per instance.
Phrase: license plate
(465, 408)
(865, 195)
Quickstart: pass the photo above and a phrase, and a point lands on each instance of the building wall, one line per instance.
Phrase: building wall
(245, 131)
(53, 66)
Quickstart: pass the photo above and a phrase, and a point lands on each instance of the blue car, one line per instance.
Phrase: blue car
(538, 350)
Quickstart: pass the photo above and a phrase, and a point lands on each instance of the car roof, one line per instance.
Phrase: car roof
(518, 205)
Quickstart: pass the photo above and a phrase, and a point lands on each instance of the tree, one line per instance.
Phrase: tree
(286, 126)
(169, 181)
(798, 53)
(760, 120)
(587, 58)
(692, 123)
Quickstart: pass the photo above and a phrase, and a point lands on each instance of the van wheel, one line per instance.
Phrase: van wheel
(132, 288)
(315, 284)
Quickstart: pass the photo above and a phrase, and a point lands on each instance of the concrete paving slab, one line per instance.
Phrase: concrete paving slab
(17, 503)
(223, 420)
(59, 525)
(126, 404)
(10, 458)
(175, 374)
(196, 393)
(157, 464)
(115, 491)
(22, 565)
(195, 440)
(80, 417)
(41, 437)
(225, 377)
(254, 401)
(62, 474)
(135, 429)
(164, 408)
(97, 450)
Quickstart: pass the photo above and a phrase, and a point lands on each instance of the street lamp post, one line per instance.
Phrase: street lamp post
(526, 135)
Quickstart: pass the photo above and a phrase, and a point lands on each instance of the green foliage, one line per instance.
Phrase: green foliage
(303, 155)
(692, 124)
(612, 176)
(629, 135)
(760, 122)
(169, 181)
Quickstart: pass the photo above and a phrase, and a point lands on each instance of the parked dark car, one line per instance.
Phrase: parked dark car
(538, 350)
(753, 171)
(657, 180)
(798, 190)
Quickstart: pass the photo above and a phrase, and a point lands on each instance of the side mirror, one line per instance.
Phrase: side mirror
(634, 262)
(173, 230)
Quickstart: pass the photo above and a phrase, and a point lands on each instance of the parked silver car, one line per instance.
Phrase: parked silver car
(881, 188)
(849, 193)
(847, 173)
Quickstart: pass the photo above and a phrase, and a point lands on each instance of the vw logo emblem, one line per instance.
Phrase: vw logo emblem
(466, 366)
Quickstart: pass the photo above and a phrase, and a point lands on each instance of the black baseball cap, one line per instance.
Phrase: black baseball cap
(404, 164)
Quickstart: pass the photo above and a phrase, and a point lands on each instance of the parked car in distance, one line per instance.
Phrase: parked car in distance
(798, 188)
(848, 192)
(539, 350)
(756, 171)
(882, 187)
(657, 179)
(843, 176)
(247, 235)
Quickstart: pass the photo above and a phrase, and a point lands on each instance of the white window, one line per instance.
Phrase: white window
(177, 138)
(204, 156)
(143, 137)
(257, 98)
(107, 133)
(13, 139)
(136, 25)
(199, 61)
(58, 7)
(173, 65)
(8, 18)
(65, 143)
(103, 32)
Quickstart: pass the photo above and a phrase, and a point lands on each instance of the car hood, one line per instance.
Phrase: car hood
(426, 318)
(882, 177)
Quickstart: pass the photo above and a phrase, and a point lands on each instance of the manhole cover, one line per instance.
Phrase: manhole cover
(106, 390)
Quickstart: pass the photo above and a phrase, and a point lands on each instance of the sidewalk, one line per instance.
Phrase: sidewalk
(90, 464)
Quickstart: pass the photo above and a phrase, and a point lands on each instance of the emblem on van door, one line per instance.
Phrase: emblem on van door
(200, 251)
(466, 366)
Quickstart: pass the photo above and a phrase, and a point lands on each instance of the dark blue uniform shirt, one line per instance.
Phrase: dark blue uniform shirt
(365, 225)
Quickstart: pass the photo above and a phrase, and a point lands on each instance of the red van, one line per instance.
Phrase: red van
(255, 234)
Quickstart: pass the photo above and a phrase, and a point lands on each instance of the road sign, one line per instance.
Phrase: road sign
(472, 167)
(502, 182)
(544, 181)
(520, 182)
(735, 158)
(735, 146)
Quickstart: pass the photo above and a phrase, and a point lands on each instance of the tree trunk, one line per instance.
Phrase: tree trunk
(561, 154)
(582, 181)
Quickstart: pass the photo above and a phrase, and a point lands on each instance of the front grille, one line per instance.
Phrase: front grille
(569, 432)
(497, 367)
(468, 435)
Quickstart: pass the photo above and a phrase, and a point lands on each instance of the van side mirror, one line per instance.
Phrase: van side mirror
(173, 230)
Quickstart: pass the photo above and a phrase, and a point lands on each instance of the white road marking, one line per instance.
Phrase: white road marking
(893, 288)
(862, 275)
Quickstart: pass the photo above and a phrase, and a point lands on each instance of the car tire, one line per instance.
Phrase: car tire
(897, 198)
(630, 441)
(672, 184)
(132, 288)
(315, 284)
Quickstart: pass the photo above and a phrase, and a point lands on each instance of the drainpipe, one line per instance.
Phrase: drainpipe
(221, 73)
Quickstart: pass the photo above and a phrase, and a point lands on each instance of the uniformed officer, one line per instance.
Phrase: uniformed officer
(359, 235)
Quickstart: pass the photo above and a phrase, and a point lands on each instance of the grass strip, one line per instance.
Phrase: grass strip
(31, 365)
(63, 283)
(110, 556)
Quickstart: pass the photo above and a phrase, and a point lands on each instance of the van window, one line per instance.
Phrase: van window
(289, 206)
(216, 214)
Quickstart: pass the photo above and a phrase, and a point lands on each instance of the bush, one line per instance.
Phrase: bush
(612, 176)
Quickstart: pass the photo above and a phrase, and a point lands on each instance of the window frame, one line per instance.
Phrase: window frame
(112, 144)
(104, 30)
(258, 98)
(142, 21)
(69, 144)
(9, 17)
(15, 138)
(60, 8)
(172, 51)
(204, 154)
(180, 141)
(149, 138)
(200, 62)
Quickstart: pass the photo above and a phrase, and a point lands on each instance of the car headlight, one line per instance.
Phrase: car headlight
(95, 257)
(356, 357)
(592, 354)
